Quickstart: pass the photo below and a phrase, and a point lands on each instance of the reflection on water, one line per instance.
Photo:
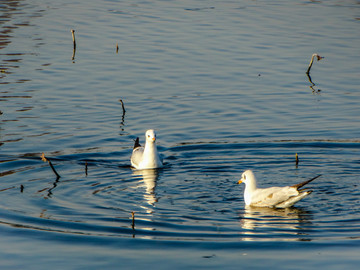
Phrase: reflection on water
(312, 86)
(275, 223)
(10, 21)
(222, 120)
(149, 179)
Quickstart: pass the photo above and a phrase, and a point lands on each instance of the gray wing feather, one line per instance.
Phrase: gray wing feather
(136, 156)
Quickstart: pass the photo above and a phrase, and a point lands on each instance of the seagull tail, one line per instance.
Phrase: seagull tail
(292, 200)
(297, 186)
(136, 144)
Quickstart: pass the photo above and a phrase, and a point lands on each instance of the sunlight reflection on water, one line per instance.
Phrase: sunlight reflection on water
(223, 84)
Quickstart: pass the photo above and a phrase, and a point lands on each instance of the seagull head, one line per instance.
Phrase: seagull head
(246, 177)
(150, 135)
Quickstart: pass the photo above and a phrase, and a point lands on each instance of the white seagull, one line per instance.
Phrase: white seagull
(146, 157)
(274, 197)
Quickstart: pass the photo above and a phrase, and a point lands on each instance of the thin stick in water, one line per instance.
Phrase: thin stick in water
(45, 159)
(74, 43)
(318, 57)
(73, 37)
(133, 220)
(122, 105)
(86, 168)
(296, 160)
(117, 47)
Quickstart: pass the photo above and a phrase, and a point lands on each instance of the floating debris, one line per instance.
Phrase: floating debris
(117, 47)
(296, 160)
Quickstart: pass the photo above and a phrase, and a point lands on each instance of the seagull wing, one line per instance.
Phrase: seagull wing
(270, 197)
(137, 156)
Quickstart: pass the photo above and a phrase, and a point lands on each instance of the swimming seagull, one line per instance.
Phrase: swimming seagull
(146, 157)
(274, 197)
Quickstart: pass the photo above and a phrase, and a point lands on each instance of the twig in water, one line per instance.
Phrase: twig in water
(86, 170)
(45, 159)
(117, 47)
(133, 220)
(21, 188)
(73, 55)
(122, 105)
(74, 43)
(296, 160)
(318, 57)
(73, 37)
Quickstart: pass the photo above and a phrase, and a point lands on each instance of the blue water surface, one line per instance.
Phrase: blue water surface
(224, 84)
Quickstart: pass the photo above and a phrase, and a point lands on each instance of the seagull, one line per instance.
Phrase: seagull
(273, 197)
(146, 157)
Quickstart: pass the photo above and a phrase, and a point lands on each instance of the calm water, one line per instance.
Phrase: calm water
(224, 85)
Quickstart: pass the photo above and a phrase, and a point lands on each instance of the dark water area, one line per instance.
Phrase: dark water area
(224, 84)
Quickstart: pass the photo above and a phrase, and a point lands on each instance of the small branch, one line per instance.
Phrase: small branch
(73, 37)
(86, 168)
(74, 43)
(45, 159)
(117, 47)
(318, 57)
(73, 55)
(133, 220)
(296, 160)
(122, 105)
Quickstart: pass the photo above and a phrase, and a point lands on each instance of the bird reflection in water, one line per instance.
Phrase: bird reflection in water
(149, 179)
(264, 223)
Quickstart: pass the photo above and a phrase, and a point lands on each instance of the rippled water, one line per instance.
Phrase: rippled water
(224, 85)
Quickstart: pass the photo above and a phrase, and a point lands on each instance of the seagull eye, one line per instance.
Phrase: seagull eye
(245, 177)
(149, 136)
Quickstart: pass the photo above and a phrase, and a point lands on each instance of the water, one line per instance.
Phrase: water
(224, 85)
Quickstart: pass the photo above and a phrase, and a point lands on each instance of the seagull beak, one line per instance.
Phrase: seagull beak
(240, 181)
(153, 139)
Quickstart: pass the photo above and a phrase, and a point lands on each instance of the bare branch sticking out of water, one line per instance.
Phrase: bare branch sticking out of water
(74, 43)
(122, 105)
(133, 220)
(318, 57)
(86, 168)
(45, 159)
(117, 47)
(296, 160)
(73, 37)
